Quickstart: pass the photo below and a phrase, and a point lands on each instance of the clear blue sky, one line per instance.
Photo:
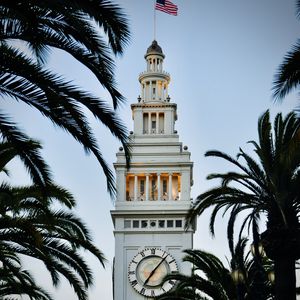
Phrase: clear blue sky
(222, 56)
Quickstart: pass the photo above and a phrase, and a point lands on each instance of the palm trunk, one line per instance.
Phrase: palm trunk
(285, 278)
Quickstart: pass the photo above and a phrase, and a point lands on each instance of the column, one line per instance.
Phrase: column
(157, 122)
(149, 123)
(185, 185)
(147, 187)
(150, 94)
(121, 189)
(156, 90)
(158, 187)
(142, 92)
(179, 195)
(135, 187)
(170, 186)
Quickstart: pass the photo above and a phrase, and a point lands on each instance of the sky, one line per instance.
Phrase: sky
(222, 56)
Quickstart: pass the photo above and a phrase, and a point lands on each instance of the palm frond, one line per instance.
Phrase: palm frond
(18, 144)
(287, 77)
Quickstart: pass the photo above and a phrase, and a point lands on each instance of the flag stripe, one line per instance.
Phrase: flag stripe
(167, 7)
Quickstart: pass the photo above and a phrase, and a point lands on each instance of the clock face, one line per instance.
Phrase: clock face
(147, 270)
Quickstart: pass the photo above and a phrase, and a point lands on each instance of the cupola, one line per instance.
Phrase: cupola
(154, 81)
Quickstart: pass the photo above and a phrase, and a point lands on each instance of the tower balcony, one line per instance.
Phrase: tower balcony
(154, 74)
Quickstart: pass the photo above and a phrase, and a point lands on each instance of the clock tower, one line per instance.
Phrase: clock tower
(153, 196)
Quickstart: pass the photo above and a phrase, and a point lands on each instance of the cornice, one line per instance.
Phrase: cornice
(148, 105)
(148, 212)
(155, 164)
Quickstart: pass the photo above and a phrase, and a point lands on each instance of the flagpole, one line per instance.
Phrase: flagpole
(154, 21)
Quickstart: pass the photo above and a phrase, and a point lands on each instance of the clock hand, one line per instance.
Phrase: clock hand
(153, 271)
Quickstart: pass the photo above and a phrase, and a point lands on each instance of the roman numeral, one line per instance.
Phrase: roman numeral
(153, 251)
(131, 272)
(134, 283)
(142, 291)
(172, 282)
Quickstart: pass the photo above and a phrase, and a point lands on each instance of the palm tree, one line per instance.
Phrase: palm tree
(210, 279)
(37, 221)
(91, 32)
(30, 226)
(16, 281)
(250, 273)
(287, 77)
(270, 188)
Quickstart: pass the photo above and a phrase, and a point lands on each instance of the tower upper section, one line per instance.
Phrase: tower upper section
(154, 114)
(160, 174)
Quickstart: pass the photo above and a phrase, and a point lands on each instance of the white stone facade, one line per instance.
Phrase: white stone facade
(153, 196)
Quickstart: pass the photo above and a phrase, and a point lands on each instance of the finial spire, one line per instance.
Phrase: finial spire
(154, 22)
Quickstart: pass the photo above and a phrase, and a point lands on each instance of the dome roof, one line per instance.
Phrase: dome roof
(154, 48)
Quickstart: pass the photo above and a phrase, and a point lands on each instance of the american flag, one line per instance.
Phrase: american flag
(167, 7)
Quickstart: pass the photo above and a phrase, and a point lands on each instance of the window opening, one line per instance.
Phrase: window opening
(153, 188)
(152, 223)
(145, 123)
(127, 224)
(164, 186)
(135, 223)
(161, 123)
(164, 189)
(144, 223)
(142, 186)
(153, 124)
(178, 223)
(170, 223)
(161, 223)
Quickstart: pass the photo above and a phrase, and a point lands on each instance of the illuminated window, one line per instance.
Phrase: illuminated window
(142, 186)
(153, 188)
(164, 186)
